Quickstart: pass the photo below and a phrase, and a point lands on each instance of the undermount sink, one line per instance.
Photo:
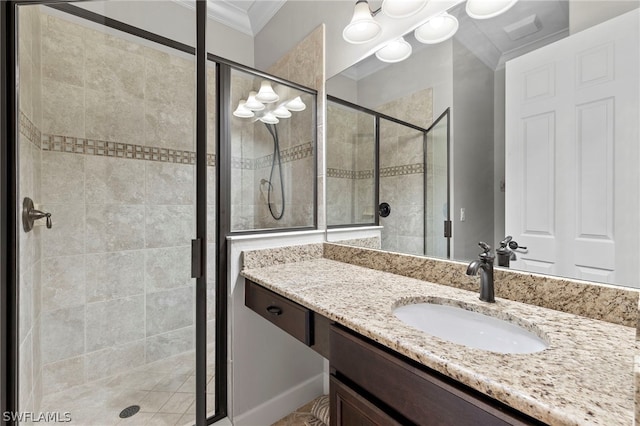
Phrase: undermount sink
(468, 328)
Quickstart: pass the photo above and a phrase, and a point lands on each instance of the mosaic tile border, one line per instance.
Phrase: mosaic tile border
(297, 152)
(349, 174)
(406, 169)
(73, 145)
(29, 130)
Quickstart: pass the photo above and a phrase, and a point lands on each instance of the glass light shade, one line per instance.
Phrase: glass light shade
(394, 51)
(402, 8)
(485, 9)
(269, 118)
(295, 104)
(437, 29)
(362, 28)
(252, 103)
(266, 95)
(282, 112)
(242, 111)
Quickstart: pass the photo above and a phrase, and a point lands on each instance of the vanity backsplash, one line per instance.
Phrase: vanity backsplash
(616, 305)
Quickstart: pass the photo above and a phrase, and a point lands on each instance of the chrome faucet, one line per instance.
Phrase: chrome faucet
(484, 264)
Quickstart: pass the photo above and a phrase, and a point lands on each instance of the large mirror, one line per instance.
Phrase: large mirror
(544, 132)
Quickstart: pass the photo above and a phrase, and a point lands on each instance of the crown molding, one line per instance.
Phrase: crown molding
(249, 21)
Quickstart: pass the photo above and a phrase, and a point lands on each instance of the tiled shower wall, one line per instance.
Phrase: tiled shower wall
(305, 65)
(350, 165)
(117, 175)
(30, 77)
(402, 171)
(252, 154)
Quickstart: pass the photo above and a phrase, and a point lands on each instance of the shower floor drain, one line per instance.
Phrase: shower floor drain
(129, 411)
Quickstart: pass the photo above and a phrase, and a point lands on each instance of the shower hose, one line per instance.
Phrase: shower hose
(275, 158)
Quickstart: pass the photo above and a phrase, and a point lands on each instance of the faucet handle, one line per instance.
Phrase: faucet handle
(506, 241)
(485, 247)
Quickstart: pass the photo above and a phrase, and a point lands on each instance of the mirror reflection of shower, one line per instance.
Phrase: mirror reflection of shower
(265, 106)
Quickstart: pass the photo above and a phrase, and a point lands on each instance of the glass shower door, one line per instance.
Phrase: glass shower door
(107, 148)
(437, 217)
(401, 174)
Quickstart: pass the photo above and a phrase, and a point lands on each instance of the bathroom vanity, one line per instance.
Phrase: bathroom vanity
(370, 384)
(386, 372)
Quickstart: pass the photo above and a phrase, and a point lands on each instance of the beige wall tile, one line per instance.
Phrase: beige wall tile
(166, 345)
(167, 268)
(169, 126)
(63, 108)
(109, 69)
(169, 310)
(61, 375)
(114, 322)
(114, 180)
(63, 177)
(169, 226)
(171, 82)
(114, 117)
(63, 282)
(112, 227)
(110, 361)
(114, 275)
(169, 183)
(67, 236)
(62, 334)
(63, 56)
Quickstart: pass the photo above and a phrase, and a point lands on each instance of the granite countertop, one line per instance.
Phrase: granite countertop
(584, 377)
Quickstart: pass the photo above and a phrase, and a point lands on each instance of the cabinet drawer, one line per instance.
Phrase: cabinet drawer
(412, 391)
(289, 316)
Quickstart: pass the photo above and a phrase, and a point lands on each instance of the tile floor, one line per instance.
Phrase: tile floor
(164, 390)
(298, 417)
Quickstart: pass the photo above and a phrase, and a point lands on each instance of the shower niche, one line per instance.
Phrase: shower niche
(273, 164)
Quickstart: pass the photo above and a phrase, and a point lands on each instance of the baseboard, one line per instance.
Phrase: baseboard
(281, 405)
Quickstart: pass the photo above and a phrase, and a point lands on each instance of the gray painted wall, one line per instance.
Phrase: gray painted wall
(472, 148)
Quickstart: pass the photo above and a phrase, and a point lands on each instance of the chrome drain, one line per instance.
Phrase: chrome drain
(129, 411)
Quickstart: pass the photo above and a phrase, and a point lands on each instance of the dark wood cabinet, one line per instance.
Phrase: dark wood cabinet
(349, 408)
(302, 323)
(408, 393)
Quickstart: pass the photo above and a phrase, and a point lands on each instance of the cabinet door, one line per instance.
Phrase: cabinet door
(348, 408)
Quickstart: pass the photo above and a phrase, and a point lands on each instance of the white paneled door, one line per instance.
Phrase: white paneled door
(572, 180)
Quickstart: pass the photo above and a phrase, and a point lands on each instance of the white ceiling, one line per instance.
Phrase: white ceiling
(246, 16)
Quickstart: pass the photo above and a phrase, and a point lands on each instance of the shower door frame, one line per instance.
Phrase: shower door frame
(9, 223)
(380, 116)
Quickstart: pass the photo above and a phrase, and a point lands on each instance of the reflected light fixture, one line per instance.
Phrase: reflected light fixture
(437, 29)
(282, 112)
(295, 104)
(252, 103)
(242, 111)
(266, 95)
(394, 51)
(485, 9)
(402, 8)
(362, 28)
(269, 118)
(269, 112)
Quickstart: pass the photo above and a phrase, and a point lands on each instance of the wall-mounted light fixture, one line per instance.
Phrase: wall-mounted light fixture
(363, 28)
